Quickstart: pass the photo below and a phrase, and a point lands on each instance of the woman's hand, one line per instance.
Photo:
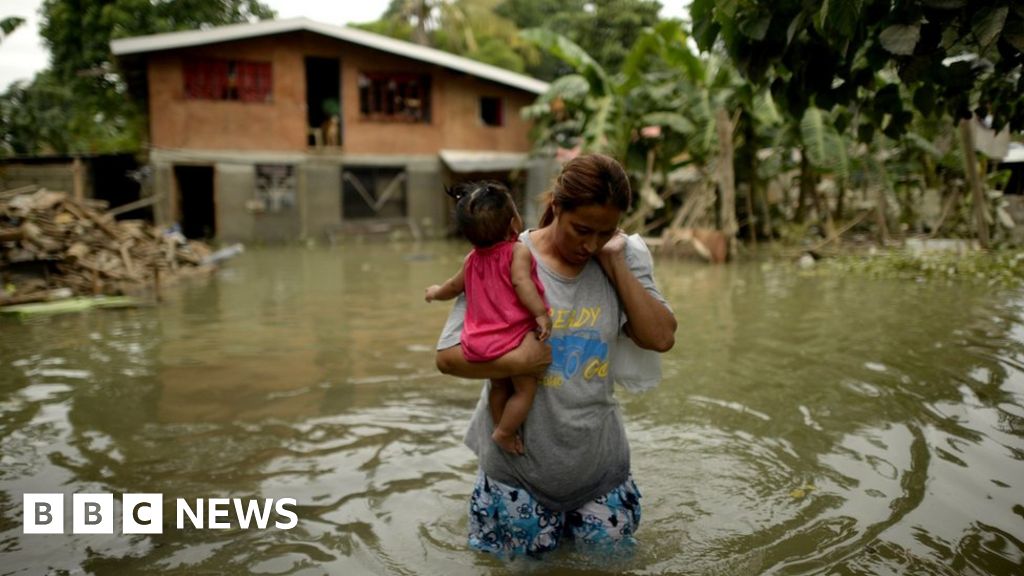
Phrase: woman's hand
(531, 357)
(649, 323)
(613, 253)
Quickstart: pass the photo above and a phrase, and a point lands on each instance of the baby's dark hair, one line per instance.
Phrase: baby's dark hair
(483, 211)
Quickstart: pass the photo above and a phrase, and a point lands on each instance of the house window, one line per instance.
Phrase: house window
(373, 192)
(213, 79)
(391, 97)
(492, 111)
(275, 188)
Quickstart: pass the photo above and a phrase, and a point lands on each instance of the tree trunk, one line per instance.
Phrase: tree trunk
(751, 219)
(807, 184)
(726, 176)
(823, 213)
(931, 178)
(78, 178)
(419, 34)
(755, 182)
(649, 199)
(947, 207)
(840, 198)
(768, 232)
(977, 194)
(880, 212)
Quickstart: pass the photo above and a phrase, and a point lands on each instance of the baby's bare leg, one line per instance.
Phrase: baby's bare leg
(501, 391)
(512, 418)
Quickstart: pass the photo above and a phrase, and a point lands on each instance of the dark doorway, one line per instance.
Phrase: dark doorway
(196, 210)
(323, 101)
(118, 180)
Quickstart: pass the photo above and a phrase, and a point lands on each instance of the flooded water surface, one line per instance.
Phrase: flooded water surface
(806, 425)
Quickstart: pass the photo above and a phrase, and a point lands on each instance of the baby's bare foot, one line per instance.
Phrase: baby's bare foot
(510, 443)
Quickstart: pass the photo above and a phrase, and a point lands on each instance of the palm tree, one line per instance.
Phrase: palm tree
(468, 18)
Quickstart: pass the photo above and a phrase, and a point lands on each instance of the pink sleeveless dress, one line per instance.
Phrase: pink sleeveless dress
(496, 321)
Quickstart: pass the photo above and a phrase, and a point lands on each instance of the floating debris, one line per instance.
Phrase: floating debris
(801, 492)
(54, 247)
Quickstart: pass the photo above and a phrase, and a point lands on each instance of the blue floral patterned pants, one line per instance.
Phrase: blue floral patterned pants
(508, 522)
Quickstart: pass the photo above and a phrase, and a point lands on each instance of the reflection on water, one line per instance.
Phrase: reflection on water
(806, 425)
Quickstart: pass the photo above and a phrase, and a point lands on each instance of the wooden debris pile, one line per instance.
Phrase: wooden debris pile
(52, 244)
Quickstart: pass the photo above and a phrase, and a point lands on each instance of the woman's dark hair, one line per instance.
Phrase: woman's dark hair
(483, 211)
(586, 180)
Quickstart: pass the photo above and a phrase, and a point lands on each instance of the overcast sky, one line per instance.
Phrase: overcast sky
(22, 54)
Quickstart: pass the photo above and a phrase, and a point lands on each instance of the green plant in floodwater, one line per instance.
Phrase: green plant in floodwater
(998, 267)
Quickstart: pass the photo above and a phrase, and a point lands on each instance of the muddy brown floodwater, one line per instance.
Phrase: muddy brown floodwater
(806, 425)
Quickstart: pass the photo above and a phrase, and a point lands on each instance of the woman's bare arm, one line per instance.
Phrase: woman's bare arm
(531, 357)
(650, 324)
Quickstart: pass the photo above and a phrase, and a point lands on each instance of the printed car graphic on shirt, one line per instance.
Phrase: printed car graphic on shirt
(577, 349)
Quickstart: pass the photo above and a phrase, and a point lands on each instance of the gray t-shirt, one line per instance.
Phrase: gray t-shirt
(576, 447)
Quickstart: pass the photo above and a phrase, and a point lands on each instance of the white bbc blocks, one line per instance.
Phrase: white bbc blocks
(92, 514)
(142, 513)
(43, 513)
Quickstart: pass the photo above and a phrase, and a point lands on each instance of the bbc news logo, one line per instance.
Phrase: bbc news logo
(144, 513)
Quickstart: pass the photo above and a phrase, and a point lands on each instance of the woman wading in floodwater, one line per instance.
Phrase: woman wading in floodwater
(574, 481)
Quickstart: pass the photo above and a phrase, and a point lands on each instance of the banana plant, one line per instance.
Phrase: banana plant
(660, 112)
(581, 109)
(824, 147)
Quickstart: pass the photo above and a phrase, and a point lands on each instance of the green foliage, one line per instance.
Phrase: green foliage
(9, 25)
(572, 88)
(924, 145)
(900, 39)
(398, 29)
(331, 107)
(600, 111)
(47, 116)
(604, 29)
(898, 75)
(470, 28)
(32, 116)
(79, 104)
(78, 33)
(823, 145)
(831, 53)
(672, 120)
(995, 268)
(607, 29)
(578, 109)
(572, 54)
(497, 52)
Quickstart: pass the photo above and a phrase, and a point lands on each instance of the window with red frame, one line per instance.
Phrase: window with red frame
(394, 97)
(228, 80)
